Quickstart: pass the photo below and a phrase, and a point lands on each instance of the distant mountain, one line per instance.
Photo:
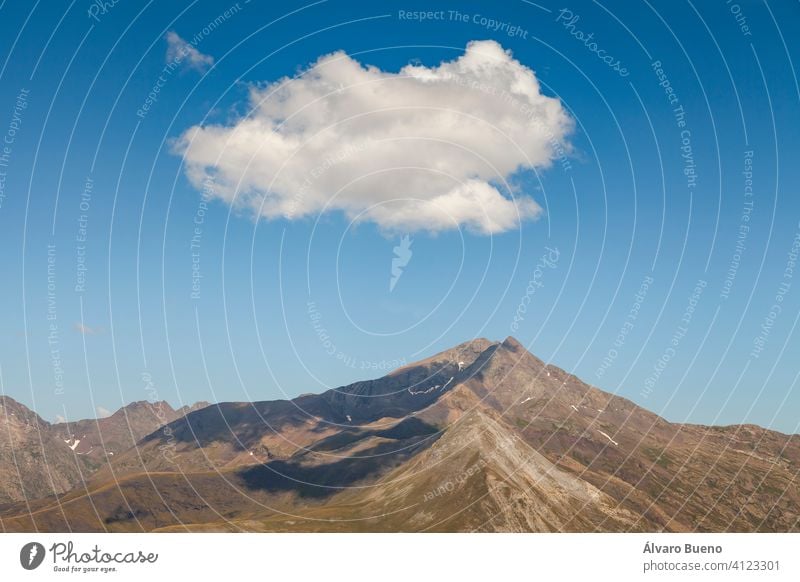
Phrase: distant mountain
(100, 439)
(33, 462)
(482, 437)
(38, 459)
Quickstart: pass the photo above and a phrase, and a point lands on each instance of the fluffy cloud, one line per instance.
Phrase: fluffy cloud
(180, 51)
(86, 330)
(427, 148)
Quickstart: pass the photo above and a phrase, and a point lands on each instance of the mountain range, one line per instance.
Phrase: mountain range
(482, 437)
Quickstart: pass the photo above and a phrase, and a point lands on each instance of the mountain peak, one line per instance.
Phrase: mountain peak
(11, 407)
(462, 355)
(471, 348)
(513, 344)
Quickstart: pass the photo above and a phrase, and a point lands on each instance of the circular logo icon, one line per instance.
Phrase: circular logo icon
(31, 555)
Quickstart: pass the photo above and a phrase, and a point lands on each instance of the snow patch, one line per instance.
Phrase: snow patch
(418, 392)
(615, 443)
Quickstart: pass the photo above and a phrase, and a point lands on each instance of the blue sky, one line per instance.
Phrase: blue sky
(287, 306)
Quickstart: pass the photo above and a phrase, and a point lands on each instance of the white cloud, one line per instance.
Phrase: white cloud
(180, 51)
(86, 330)
(103, 412)
(426, 148)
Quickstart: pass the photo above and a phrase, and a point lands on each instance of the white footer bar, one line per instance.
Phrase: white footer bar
(370, 557)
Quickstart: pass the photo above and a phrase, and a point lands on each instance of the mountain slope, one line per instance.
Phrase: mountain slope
(479, 476)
